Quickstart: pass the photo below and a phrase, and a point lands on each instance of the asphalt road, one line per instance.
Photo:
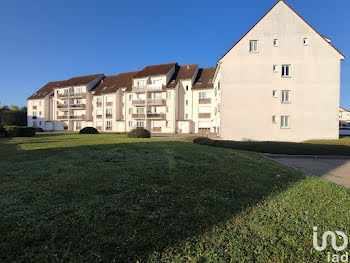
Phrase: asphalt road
(333, 169)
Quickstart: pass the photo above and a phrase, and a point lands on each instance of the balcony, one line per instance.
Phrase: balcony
(108, 116)
(62, 106)
(99, 128)
(78, 106)
(138, 116)
(138, 102)
(148, 87)
(34, 117)
(66, 117)
(98, 116)
(78, 127)
(98, 104)
(71, 95)
(109, 103)
(204, 115)
(108, 128)
(35, 107)
(63, 117)
(204, 101)
(158, 116)
(156, 102)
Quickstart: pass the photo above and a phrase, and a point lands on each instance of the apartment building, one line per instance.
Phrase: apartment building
(279, 82)
(344, 117)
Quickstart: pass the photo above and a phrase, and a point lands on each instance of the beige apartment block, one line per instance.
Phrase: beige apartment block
(279, 82)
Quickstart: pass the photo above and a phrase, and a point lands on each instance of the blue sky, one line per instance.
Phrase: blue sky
(44, 41)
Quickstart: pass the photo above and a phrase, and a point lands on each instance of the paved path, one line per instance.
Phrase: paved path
(333, 169)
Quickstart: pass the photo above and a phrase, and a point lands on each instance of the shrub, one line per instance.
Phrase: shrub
(3, 132)
(20, 131)
(139, 133)
(16, 118)
(88, 130)
(38, 129)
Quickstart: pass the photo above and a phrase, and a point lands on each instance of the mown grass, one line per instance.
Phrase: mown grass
(108, 198)
(317, 147)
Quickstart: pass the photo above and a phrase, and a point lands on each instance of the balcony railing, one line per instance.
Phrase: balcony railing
(138, 116)
(66, 117)
(34, 107)
(160, 102)
(98, 116)
(98, 104)
(63, 117)
(34, 117)
(65, 106)
(157, 129)
(77, 127)
(109, 103)
(203, 115)
(108, 116)
(99, 128)
(148, 87)
(156, 115)
(204, 101)
(108, 128)
(138, 102)
(71, 95)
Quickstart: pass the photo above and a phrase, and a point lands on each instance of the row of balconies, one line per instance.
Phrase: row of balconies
(149, 88)
(108, 116)
(75, 106)
(99, 104)
(71, 95)
(159, 116)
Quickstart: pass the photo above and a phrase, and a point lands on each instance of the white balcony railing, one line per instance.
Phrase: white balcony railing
(148, 87)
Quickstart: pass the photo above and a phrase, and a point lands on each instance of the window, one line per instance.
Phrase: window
(130, 97)
(274, 119)
(275, 42)
(39, 103)
(141, 83)
(109, 99)
(274, 93)
(219, 85)
(167, 109)
(168, 95)
(39, 123)
(109, 124)
(254, 46)
(204, 110)
(109, 111)
(140, 110)
(34, 123)
(186, 116)
(77, 124)
(186, 87)
(99, 112)
(306, 41)
(130, 123)
(130, 110)
(186, 102)
(285, 71)
(285, 96)
(202, 95)
(99, 124)
(78, 90)
(275, 68)
(39, 113)
(166, 123)
(285, 122)
(140, 124)
(99, 100)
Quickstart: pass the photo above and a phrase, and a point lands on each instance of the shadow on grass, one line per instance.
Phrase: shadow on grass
(124, 202)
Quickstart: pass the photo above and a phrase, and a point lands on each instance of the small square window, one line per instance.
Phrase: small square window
(274, 93)
(186, 87)
(274, 119)
(275, 68)
(275, 42)
(285, 96)
(306, 41)
(186, 102)
(186, 116)
(253, 46)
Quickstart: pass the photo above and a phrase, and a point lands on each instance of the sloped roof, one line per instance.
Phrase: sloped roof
(46, 90)
(325, 39)
(78, 81)
(182, 73)
(204, 79)
(155, 70)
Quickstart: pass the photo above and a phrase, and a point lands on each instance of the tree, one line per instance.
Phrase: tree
(14, 108)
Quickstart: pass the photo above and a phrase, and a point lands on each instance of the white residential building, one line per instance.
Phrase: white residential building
(279, 82)
(344, 117)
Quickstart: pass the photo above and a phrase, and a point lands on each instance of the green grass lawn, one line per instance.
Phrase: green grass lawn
(107, 198)
(317, 147)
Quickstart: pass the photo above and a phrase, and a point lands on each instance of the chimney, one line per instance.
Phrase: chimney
(188, 66)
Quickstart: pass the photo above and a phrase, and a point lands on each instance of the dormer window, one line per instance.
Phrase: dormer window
(254, 46)
(306, 41)
(275, 42)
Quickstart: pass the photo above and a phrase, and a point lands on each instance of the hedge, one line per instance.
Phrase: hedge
(88, 130)
(3, 132)
(16, 118)
(139, 133)
(20, 131)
